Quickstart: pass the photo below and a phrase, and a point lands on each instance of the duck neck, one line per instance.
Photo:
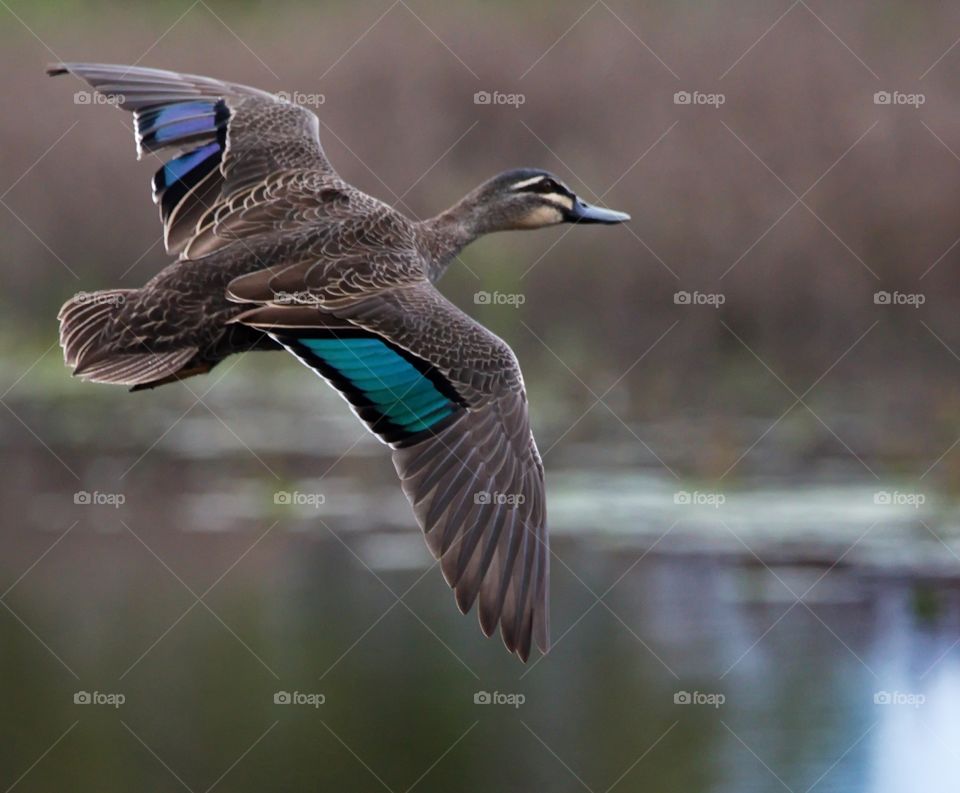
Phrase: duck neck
(446, 234)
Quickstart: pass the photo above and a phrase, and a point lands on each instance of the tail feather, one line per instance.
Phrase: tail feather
(87, 341)
(137, 368)
(82, 319)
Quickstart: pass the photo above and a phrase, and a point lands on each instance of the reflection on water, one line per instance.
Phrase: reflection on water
(927, 734)
(832, 663)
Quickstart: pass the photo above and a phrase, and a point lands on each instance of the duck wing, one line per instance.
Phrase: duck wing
(242, 161)
(448, 397)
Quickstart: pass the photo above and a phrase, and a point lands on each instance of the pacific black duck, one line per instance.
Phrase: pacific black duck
(274, 250)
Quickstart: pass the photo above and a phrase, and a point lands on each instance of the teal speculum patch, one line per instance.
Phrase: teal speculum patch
(387, 381)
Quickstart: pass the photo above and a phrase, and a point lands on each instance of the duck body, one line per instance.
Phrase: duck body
(275, 251)
(186, 305)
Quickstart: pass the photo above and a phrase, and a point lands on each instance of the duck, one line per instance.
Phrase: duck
(273, 250)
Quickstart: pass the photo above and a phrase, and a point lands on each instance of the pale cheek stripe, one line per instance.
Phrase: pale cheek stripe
(527, 183)
(563, 200)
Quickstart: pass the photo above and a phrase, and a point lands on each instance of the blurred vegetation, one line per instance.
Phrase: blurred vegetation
(703, 186)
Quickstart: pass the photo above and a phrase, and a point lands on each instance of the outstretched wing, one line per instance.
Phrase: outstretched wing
(237, 150)
(448, 397)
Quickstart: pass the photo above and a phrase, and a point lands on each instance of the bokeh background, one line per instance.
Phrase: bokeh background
(804, 402)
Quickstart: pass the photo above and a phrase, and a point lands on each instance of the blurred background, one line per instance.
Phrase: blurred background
(746, 401)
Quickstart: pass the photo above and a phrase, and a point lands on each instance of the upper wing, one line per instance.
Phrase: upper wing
(238, 148)
(448, 397)
(344, 271)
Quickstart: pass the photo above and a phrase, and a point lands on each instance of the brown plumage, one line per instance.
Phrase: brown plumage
(276, 251)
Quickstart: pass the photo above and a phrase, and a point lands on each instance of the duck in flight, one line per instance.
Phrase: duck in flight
(275, 251)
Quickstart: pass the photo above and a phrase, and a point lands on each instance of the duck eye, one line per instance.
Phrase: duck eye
(547, 186)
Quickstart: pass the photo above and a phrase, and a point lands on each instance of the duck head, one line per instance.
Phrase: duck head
(528, 198)
(525, 198)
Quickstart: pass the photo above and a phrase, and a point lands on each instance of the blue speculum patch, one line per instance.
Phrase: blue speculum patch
(182, 125)
(174, 112)
(398, 390)
(177, 169)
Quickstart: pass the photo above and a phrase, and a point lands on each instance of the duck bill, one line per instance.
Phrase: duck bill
(583, 212)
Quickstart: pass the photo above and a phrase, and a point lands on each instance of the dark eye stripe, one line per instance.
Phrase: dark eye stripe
(547, 185)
